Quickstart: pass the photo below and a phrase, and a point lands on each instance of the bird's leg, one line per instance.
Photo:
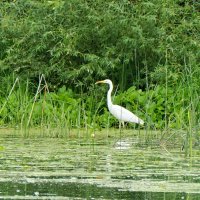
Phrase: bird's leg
(121, 123)
(120, 131)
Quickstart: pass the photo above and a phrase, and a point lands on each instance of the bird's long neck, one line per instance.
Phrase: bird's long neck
(109, 101)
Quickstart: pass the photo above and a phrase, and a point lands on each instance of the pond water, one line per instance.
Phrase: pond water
(71, 168)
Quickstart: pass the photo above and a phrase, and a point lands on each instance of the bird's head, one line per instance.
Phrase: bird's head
(105, 81)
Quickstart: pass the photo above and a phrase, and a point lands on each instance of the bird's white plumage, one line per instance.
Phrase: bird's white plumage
(121, 113)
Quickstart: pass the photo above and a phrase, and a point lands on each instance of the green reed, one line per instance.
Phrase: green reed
(61, 113)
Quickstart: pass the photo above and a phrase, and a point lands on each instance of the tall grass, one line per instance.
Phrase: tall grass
(62, 110)
(173, 111)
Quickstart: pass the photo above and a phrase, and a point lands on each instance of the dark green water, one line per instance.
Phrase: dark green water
(52, 168)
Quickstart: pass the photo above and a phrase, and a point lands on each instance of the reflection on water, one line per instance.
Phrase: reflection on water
(52, 168)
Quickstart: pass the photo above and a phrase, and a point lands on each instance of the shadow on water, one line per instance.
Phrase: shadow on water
(81, 191)
(56, 168)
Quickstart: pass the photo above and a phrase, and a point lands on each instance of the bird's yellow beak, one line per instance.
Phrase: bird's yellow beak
(100, 82)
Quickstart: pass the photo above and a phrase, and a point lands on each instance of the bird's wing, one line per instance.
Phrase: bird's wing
(123, 114)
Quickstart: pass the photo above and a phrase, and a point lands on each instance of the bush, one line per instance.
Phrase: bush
(75, 42)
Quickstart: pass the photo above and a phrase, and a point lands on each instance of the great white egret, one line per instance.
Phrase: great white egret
(121, 113)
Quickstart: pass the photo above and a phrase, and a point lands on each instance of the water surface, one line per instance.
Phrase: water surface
(92, 168)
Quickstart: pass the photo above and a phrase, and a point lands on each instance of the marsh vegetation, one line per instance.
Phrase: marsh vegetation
(52, 53)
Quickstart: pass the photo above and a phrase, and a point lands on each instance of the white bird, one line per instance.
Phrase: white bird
(121, 113)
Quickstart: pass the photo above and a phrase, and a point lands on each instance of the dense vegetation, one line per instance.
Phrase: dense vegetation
(150, 49)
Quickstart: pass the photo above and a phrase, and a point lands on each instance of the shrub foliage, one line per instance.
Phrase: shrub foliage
(148, 44)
